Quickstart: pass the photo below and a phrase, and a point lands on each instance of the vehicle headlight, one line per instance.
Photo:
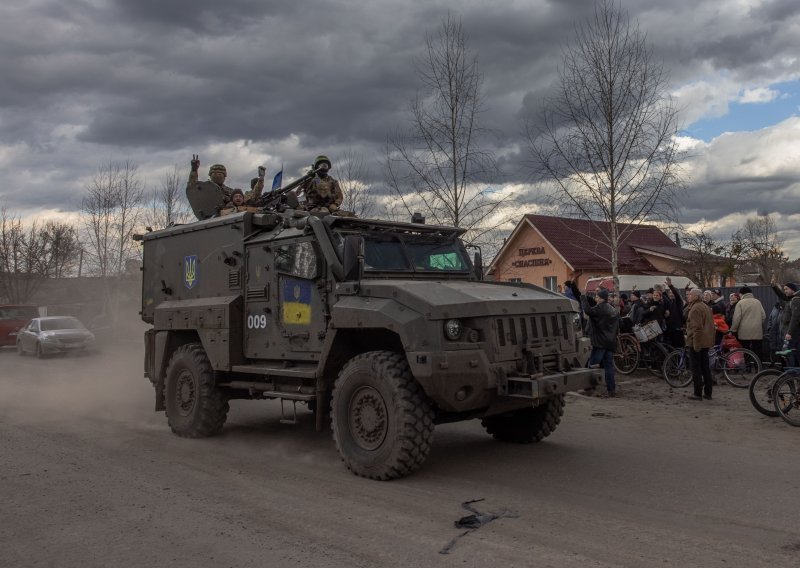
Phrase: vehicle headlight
(576, 322)
(453, 329)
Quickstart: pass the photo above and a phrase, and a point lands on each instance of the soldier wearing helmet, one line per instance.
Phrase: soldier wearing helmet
(207, 198)
(323, 194)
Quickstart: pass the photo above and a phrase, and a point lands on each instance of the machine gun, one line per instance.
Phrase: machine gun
(281, 198)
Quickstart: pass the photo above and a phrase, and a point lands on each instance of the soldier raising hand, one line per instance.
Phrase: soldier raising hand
(322, 191)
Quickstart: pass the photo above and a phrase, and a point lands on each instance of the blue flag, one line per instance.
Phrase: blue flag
(277, 180)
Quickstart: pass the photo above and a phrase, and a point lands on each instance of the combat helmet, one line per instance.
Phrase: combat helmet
(320, 159)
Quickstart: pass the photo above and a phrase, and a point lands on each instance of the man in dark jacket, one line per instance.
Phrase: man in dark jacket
(603, 335)
(638, 308)
(791, 310)
(674, 332)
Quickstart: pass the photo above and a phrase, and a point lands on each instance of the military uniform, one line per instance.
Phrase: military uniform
(217, 194)
(322, 192)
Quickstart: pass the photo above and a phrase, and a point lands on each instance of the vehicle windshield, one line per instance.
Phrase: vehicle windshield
(60, 323)
(417, 254)
(18, 312)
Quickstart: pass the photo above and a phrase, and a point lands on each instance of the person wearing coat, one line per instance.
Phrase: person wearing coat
(700, 338)
(604, 320)
(674, 321)
(774, 333)
(748, 321)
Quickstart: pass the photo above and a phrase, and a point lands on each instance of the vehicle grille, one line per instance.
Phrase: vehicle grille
(524, 330)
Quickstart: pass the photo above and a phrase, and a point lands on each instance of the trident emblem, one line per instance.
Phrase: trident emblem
(190, 271)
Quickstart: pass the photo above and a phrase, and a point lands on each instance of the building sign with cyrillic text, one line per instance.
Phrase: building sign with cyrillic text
(531, 261)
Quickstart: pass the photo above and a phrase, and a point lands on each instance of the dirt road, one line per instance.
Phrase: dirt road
(91, 476)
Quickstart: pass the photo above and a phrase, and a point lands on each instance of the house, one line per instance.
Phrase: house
(546, 251)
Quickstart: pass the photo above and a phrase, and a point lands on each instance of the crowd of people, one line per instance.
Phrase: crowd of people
(699, 322)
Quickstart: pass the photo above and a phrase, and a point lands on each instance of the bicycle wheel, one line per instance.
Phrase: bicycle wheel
(762, 391)
(677, 369)
(657, 354)
(787, 398)
(740, 367)
(626, 358)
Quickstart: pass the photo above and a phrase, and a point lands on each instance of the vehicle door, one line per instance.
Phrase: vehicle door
(260, 323)
(29, 335)
(302, 298)
(284, 300)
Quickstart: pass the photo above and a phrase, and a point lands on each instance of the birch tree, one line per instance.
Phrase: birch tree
(438, 166)
(606, 140)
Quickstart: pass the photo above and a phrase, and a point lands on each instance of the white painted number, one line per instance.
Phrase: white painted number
(256, 321)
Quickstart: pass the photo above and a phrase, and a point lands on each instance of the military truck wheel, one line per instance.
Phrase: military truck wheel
(382, 420)
(527, 424)
(196, 407)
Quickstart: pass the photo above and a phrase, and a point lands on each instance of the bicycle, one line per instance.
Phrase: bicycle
(786, 393)
(632, 354)
(738, 365)
(762, 391)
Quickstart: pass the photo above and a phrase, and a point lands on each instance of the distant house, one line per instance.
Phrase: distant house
(546, 251)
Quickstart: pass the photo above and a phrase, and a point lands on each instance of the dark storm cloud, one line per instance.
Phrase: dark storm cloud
(155, 80)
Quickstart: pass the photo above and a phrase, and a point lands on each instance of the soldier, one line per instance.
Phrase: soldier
(238, 203)
(323, 194)
(207, 198)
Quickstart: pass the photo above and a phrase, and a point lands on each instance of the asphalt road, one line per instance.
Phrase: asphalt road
(91, 476)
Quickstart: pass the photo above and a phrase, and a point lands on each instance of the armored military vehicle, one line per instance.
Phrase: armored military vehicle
(383, 329)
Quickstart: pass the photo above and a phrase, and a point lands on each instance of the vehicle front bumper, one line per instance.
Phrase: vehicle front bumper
(465, 380)
(51, 347)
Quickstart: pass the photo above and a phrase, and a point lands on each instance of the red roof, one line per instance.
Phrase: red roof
(584, 244)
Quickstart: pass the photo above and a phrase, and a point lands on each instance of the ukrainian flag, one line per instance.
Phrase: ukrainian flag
(296, 301)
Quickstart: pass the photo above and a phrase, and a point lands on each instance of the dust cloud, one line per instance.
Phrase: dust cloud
(106, 383)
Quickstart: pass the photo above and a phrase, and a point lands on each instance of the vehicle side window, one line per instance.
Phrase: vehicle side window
(298, 259)
(33, 326)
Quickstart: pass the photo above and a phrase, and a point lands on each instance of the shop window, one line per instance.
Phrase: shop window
(550, 283)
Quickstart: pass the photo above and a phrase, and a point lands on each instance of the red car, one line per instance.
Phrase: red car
(12, 319)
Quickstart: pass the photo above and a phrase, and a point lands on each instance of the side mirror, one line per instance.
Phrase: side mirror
(353, 258)
(477, 264)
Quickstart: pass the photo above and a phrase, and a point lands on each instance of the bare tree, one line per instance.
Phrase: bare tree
(706, 256)
(167, 204)
(607, 138)
(438, 166)
(356, 182)
(110, 213)
(98, 210)
(762, 246)
(130, 194)
(61, 248)
(21, 251)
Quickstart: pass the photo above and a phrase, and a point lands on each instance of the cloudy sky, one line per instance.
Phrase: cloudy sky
(249, 82)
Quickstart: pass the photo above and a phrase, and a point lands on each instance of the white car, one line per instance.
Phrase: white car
(54, 334)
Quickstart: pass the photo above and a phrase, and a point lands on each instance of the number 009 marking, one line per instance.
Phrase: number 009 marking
(256, 321)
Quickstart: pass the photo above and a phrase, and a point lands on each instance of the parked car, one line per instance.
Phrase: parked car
(54, 334)
(12, 319)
